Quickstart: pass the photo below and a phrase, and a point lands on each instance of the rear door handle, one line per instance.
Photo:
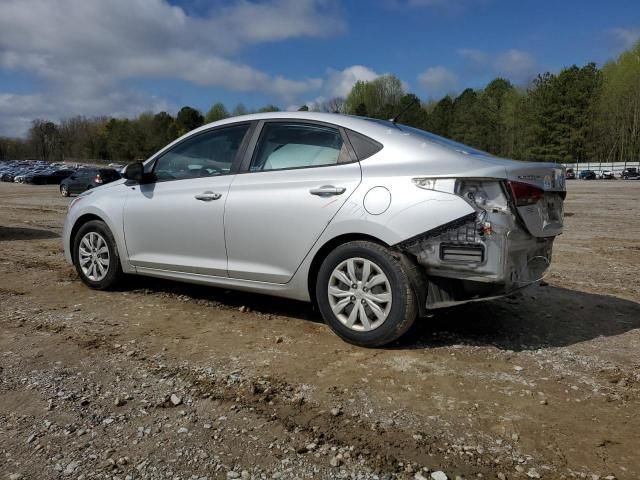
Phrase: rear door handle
(327, 191)
(208, 196)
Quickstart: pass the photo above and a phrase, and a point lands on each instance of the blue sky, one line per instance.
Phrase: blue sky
(60, 58)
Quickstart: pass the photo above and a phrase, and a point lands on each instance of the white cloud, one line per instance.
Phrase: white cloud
(84, 52)
(18, 110)
(340, 82)
(516, 65)
(438, 81)
(474, 55)
(624, 38)
(449, 6)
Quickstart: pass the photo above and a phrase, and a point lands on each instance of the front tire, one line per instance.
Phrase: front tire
(64, 190)
(95, 256)
(364, 294)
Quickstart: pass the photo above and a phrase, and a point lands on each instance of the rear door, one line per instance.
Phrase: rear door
(293, 183)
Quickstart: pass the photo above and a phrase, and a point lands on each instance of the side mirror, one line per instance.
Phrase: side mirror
(134, 171)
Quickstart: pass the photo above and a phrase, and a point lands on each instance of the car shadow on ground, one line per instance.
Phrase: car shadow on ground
(542, 317)
(545, 317)
(255, 302)
(23, 233)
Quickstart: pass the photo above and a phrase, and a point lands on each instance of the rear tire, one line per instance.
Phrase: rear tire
(365, 295)
(64, 190)
(96, 257)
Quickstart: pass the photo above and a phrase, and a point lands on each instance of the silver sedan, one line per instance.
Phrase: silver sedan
(375, 222)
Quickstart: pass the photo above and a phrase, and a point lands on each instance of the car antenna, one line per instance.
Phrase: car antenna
(404, 110)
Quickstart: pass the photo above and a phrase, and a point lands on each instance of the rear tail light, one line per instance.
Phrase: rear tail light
(482, 194)
(98, 179)
(525, 194)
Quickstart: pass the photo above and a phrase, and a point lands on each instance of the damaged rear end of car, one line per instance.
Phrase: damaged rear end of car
(504, 245)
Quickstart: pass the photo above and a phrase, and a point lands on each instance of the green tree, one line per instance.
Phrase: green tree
(303, 108)
(216, 112)
(238, 110)
(490, 115)
(412, 112)
(45, 140)
(380, 96)
(617, 118)
(162, 126)
(466, 122)
(120, 140)
(513, 119)
(361, 110)
(188, 119)
(440, 117)
(269, 108)
(561, 114)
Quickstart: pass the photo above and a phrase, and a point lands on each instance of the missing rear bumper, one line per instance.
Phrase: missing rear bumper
(478, 257)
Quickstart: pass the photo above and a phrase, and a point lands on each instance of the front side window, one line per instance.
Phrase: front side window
(205, 155)
(297, 145)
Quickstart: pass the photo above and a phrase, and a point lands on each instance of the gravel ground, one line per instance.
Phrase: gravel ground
(162, 380)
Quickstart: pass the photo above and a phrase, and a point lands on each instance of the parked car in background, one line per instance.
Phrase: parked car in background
(375, 222)
(570, 174)
(606, 175)
(587, 175)
(87, 178)
(49, 177)
(630, 173)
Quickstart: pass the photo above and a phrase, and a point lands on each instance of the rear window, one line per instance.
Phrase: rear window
(109, 174)
(431, 137)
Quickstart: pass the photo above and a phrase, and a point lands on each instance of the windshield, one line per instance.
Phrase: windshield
(431, 137)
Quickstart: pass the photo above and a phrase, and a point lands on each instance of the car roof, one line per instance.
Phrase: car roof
(348, 121)
(366, 126)
(382, 131)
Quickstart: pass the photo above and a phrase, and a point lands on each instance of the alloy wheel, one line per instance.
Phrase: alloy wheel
(359, 294)
(93, 256)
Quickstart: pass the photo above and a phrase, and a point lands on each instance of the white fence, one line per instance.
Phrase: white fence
(615, 167)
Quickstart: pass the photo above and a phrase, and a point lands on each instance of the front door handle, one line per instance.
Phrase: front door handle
(327, 191)
(208, 196)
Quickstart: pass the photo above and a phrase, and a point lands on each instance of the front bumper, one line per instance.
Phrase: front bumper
(480, 256)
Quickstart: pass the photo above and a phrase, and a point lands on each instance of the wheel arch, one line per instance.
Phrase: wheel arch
(324, 250)
(416, 272)
(83, 219)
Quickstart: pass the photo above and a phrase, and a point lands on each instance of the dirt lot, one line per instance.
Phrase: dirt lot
(542, 385)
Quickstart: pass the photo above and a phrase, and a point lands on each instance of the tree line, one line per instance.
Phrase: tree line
(579, 114)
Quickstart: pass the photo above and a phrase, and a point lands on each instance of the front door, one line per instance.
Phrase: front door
(299, 176)
(176, 221)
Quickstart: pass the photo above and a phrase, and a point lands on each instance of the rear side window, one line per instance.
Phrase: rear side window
(362, 145)
(298, 145)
